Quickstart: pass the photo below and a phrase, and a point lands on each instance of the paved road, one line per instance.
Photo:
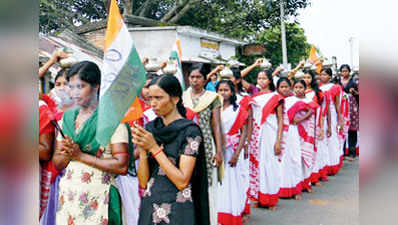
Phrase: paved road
(334, 203)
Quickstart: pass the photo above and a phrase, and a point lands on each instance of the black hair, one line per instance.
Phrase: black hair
(62, 72)
(300, 81)
(204, 69)
(87, 71)
(283, 79)
(314, 84)
(268, 73)
(328, 71)
(150, 76)
(233, 97)
(171, 85)
(237, 76)
(345, 66)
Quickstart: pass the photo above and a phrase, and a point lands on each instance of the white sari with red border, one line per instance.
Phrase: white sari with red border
(322, 152)
(335, 142)
(306, 130)
(291, 163)
(232, 191)
(265, 166)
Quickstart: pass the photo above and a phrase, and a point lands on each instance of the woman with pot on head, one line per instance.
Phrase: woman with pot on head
(265, 170)
(87, 192)
(333, 94)
(207, 105)
(350, 87)
(233, 187)
(172, 163)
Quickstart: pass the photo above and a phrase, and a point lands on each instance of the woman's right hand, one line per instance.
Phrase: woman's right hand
(246, 151)
(329, 132)
(258, 62)
(217, 159)
(321, 134)
(277, 148)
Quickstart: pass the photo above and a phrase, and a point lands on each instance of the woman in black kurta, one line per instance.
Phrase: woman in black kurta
(173, 194)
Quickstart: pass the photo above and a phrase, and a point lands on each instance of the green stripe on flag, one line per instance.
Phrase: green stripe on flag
(114, 104)
(174, 55)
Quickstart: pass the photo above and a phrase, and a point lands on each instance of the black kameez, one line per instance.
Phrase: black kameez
(162, 202)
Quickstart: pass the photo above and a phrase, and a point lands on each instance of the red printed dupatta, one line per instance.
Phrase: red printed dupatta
(267, 102)
(306, 129)
(233, 121)
(330, 91)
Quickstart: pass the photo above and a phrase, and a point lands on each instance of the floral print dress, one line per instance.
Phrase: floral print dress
(205, 125)
(84, 190)
(162, 202)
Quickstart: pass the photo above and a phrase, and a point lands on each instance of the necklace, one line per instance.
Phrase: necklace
(195, 96)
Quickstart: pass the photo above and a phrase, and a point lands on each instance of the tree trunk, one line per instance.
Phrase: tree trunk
(170, 13)
(144, 8)
(128, 7)
(182, 12)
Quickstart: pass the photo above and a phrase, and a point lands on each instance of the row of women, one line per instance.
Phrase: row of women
(194, 157)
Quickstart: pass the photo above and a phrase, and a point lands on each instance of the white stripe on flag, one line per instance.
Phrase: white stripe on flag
(115, 58)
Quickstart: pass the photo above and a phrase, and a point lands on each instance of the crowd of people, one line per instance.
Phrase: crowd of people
(205, 155)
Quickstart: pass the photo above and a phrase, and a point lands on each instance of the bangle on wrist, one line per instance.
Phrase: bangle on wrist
(157, 152)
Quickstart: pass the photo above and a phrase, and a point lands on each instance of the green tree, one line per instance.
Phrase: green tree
(297, 47)
(235, 18)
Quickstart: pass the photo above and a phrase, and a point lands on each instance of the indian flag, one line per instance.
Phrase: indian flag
(123, 76)
(176, 55)
(314, 59)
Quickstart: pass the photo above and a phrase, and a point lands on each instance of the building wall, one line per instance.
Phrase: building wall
(96, 38)
(156, 43)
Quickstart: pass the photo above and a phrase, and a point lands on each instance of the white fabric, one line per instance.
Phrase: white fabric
(322, 154)
(232, 192)
(149, 115)
(228, 117)
(231, 197)
(291, 174)
(270, 167)
(334, 143)
(128, 189)
(213, 190)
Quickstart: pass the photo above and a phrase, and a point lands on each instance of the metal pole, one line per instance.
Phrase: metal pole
(283, 31)
(351, 40)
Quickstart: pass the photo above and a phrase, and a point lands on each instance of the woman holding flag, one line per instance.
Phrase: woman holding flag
(87, 192)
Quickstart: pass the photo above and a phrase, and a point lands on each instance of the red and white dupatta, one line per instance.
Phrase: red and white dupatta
(306, 129)
(233, 121)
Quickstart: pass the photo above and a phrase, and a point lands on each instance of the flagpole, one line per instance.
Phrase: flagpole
(283, 31)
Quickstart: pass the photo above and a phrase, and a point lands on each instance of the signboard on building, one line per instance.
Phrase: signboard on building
(254, 49)
(209, 49)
